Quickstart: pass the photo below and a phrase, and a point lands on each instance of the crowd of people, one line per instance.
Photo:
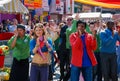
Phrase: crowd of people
(90, 50)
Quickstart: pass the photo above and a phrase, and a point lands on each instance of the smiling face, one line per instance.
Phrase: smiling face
(38, 31)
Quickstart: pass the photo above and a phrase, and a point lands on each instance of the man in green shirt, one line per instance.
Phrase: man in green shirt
(19, 43)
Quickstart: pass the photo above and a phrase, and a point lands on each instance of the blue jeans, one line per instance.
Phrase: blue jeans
(86, 72)
(118, 58)
(42, 71)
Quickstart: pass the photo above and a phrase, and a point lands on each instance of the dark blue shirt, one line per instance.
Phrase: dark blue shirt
(86, 60)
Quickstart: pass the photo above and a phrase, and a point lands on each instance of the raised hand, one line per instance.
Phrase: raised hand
(16, 33)
(80, 33)
(94, 33)
(38, 41)
(77, 17)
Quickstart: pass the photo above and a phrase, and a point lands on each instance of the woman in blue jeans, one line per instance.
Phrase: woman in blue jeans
(40, 63)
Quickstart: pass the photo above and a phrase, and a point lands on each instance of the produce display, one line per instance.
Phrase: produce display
(4, 74)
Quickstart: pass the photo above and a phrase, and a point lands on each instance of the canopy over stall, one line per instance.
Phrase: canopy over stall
(94, 16)
(89, 16)
(2, 2)
(14, 6)
(102, 3)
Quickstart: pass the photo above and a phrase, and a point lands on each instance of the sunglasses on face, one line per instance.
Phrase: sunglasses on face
(69, 19)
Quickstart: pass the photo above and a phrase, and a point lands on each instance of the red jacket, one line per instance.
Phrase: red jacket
(77, 48)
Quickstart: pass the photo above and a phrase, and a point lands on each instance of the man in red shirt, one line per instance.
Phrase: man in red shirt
(83, 45)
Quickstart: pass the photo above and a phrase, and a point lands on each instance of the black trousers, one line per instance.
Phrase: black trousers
(20, 70)
(109, 66)
(64, 62)
(97, 70)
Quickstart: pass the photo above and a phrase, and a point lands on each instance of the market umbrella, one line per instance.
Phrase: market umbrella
(102, 3)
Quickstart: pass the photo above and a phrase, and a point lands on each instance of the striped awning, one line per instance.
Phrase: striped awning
(115, 4)
(2, 2)
(15, 6)
(2, 8)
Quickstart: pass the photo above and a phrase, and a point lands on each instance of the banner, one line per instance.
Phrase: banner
(101, 3)
(45, 5)
(37, 3)
(68, 8)
(33, 3)
(58, 8)
(29, 3)
(72, 6)
(62, 8)
(53, 6)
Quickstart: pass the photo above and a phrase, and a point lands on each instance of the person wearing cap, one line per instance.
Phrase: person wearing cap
(108, 39)
(19, 44)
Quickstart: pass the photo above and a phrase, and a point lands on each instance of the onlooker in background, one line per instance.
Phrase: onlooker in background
(65, 53)
(29, 26)
(8, 23)
(98, 26)
(83, 45)
(5, 28)
(19, 43)
(104, 26)
(1, 27)
(13, 27)
(57, 41)
(97, 72)
(46, 26)
(108, 38)
(69, 31)
(118, 50)
(52, 32)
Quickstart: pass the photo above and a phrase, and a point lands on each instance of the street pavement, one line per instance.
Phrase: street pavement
(8, 63)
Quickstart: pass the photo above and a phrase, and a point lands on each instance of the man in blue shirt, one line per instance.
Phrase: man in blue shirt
(108, 52)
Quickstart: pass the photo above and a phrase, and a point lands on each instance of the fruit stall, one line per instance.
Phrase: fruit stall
(4, 71)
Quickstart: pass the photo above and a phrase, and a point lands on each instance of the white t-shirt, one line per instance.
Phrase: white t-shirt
(12, 28)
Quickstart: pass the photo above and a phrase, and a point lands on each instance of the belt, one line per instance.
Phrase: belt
(40, 64)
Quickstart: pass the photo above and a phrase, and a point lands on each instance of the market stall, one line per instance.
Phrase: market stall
(13, 9)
